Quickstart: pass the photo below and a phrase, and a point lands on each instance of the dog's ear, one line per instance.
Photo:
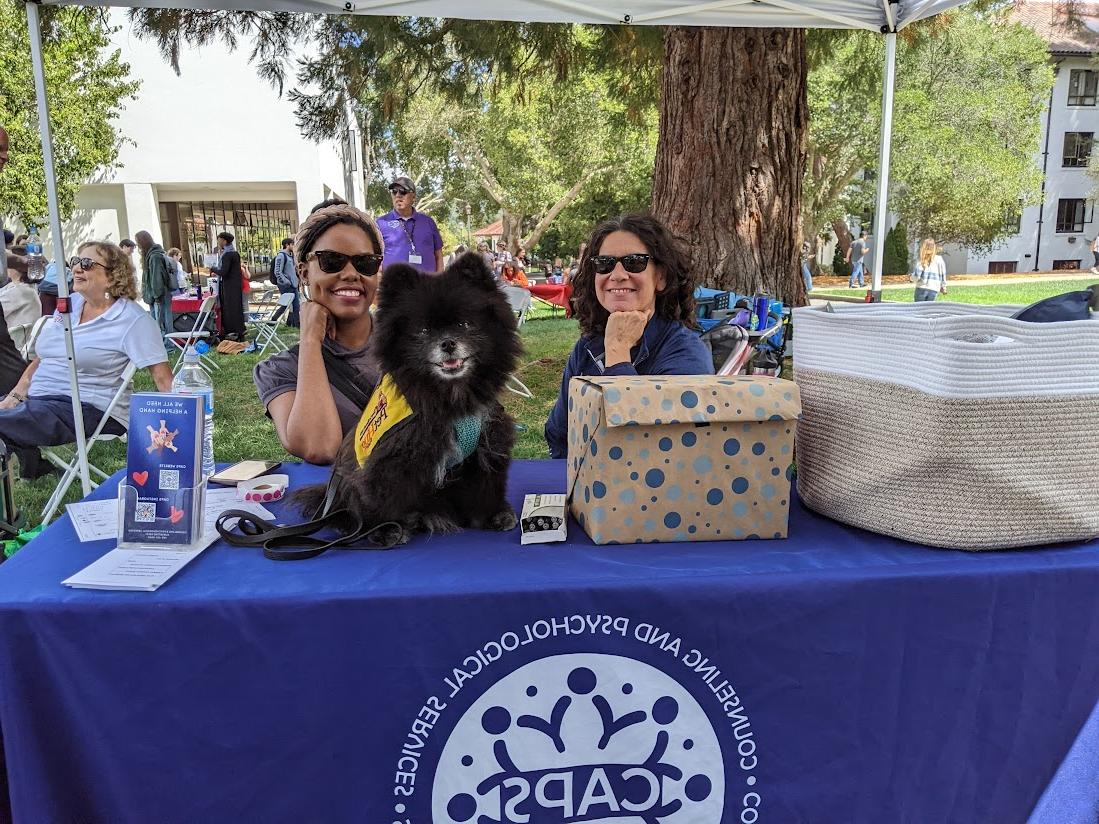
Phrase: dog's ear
(472, 267)
(397, 277)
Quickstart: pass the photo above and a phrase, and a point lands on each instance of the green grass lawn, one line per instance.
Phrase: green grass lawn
(991, 293)
(242, 429)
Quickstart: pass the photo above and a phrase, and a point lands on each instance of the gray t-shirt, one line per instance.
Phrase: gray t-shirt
(279, 374)
(858, 249)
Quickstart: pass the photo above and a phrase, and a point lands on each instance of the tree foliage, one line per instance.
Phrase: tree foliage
(895, 260)
(86, 88)
(530, 154)
(970, 89)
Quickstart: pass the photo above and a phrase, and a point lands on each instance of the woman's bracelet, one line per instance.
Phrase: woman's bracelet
(19, 396)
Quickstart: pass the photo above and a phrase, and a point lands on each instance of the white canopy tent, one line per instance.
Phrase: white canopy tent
(884, 16)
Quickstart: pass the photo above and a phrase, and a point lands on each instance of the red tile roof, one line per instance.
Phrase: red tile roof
(1074, 31)
(492, 230)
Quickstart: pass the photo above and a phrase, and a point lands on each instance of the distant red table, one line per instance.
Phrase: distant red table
(557, 294)
(189, 304)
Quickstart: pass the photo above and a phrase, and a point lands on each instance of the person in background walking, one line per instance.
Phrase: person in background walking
(806, 272)
(286, 278)
(230, 288)
(158, 279)
(856, 256)
(930, 273)
(1095, 255)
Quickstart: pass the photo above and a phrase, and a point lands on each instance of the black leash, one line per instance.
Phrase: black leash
(275, 540)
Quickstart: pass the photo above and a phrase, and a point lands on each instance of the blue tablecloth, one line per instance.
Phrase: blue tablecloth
(837, 676)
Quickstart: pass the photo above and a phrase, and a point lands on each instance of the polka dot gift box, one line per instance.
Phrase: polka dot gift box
(681, 457)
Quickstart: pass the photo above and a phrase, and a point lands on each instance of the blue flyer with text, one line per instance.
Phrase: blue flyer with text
(163, 468)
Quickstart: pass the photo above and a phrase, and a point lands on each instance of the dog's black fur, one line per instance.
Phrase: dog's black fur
(424, 320)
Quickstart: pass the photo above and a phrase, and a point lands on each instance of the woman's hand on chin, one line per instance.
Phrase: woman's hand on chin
(624, 331)
(316, 322)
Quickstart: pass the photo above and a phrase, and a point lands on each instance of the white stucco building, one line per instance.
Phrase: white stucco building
(1055, 234)
(214, 148)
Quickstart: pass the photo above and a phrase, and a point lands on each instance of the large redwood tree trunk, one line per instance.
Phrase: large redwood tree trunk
(731, 154)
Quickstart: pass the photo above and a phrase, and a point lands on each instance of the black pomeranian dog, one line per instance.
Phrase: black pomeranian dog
(448, 342)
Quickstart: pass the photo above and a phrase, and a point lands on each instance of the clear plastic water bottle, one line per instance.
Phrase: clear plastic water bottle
(193, 380)
(36, 262)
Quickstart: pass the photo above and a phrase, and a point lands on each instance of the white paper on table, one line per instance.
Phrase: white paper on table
(132, 569)
(94, 520)
(144, 569)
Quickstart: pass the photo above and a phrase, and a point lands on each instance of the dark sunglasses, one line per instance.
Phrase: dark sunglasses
(604, 264)
(398, 190)
(84, 263)
(332, 263)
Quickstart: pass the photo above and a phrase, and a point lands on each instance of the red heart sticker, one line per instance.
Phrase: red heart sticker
(141, 478)
(176, 515)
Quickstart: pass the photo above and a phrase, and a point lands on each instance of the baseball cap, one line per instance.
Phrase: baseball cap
(403, 182)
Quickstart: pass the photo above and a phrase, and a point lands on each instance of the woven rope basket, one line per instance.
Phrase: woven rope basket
(949, 425)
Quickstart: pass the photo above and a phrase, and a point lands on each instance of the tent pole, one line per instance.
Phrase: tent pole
(46, 133)
(881, 206)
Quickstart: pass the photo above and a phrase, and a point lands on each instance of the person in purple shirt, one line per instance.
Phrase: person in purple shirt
(634, 299)
(410, 236)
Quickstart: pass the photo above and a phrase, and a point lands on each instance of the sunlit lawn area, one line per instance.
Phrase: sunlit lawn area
(970, 292)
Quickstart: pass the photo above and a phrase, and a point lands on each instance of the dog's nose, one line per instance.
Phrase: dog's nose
(448, 346)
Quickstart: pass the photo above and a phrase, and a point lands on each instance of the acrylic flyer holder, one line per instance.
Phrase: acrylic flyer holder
(141, 528)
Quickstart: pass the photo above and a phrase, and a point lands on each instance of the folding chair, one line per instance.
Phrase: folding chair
(181, 340)
(27, 349)
(261, 305)
(519, 299)
(267, 329)
(67, 459)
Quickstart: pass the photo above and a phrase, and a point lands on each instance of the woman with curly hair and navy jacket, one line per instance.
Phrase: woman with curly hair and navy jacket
(634, 299)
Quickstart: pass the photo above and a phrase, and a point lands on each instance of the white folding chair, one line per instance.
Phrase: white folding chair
(267, 329)
(519, 299)
(27, 349)
(67, 459)
(181, 340)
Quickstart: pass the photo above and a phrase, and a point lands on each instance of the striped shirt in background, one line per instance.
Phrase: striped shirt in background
(932, 276)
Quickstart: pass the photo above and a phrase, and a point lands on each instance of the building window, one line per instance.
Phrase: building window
(1066, 265)
(1072, 214)
(1077, 150)
(1002, 267)
(258, 228)
(1082, 85)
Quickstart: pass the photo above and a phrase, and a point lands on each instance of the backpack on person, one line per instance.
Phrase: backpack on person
(274, 276)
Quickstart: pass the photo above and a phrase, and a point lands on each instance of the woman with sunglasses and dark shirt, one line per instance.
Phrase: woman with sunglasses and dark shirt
(230, 288)
(634, 299)
(316, 391)
(110, 331)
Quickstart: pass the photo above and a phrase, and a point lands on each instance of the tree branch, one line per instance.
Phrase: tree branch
(568, 197)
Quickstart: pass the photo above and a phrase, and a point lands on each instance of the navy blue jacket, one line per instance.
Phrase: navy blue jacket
(666, 348)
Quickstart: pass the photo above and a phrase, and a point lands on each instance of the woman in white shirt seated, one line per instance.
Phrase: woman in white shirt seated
(109, 331)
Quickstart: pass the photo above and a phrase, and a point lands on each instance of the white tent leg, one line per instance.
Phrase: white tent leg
(46, 133)
(881, 207)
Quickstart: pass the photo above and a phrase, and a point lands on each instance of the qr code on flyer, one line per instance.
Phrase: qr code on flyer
(145, 513)
(169, 479)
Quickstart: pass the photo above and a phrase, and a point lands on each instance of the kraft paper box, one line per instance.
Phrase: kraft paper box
(681, 458)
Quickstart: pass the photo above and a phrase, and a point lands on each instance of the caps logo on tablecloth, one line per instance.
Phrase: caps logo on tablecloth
(581, 737)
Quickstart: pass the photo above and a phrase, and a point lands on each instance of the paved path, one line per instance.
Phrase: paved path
(902, 281)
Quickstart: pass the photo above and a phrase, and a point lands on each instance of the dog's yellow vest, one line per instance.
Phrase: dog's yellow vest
(387, 408)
